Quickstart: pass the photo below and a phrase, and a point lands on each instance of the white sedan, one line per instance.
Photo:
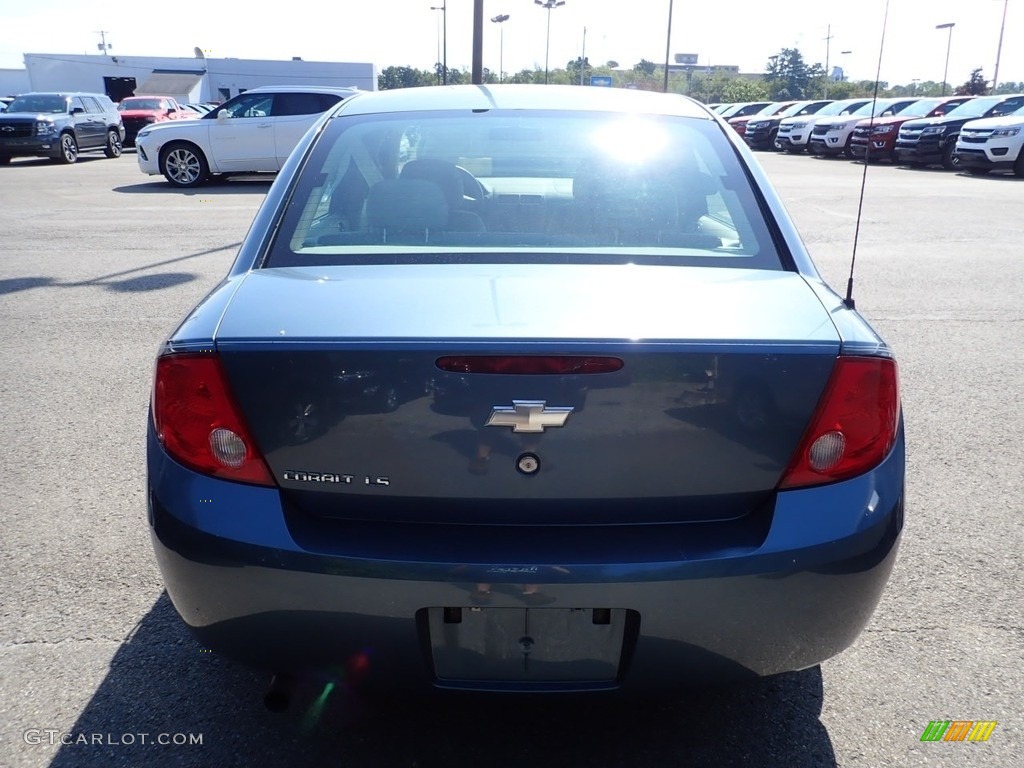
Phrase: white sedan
(252, 133)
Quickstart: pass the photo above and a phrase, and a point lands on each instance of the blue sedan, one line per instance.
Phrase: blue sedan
(522, 388)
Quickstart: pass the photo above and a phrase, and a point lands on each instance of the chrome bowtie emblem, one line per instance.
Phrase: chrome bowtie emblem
(7, 129)
(528, 416)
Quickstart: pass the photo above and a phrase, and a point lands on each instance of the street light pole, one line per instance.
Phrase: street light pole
(999, 48)
(443, 8)
(583, 55)
(668, 46)
(500, 20)
(548, 5)
(949, 44)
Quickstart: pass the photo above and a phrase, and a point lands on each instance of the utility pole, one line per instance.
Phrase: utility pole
(478, 42)
(999, 48)
(103, 45)
(949, 44)
(828, 42)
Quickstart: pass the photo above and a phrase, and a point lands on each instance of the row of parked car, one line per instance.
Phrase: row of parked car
(977, 134)
(251, 133)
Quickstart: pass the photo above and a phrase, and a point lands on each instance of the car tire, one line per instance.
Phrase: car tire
(978, 171)
(113, 147)
(949, 159)
(1018, 166)
(5, 161)
(848, 150)
(68, 149)
(183, 165)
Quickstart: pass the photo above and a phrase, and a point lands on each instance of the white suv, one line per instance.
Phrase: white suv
(795, 132)
(992, 143)
(253, 132)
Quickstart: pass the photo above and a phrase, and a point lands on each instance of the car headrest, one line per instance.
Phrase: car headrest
(440, 172)
(406, 205)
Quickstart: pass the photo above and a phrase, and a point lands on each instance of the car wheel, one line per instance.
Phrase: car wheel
(1018, 167)
(771, 141)
(183, 165)
(113, 146)
(949, 159)
(68, 149)
(5, 161)
(977, 171)
(848, 150)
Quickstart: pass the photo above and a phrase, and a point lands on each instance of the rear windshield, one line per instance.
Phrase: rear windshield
(523, 187)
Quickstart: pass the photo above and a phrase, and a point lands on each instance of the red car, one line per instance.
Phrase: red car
(876, 139)
(739, 124)
(139, 111)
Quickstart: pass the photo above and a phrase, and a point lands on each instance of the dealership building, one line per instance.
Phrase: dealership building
(198, 79)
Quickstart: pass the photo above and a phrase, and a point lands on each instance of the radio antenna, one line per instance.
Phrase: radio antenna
(848, 301)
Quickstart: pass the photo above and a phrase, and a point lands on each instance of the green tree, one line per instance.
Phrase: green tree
(742, 89)
(577, 69)
(976, 85)
(527, 76)
(788, 76)
(1008, 86)
(645, 67)
(612, 64)
(403, 77)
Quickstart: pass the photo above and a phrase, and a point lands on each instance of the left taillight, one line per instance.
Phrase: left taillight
(199, 423)
(854, 426)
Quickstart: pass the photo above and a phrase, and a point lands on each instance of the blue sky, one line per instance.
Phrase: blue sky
(405, 32)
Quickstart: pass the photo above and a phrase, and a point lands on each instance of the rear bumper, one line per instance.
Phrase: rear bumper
(246, 588)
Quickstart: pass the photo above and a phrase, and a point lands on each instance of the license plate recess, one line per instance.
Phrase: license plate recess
(526, 644)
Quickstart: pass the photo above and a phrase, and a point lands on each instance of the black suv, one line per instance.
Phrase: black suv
(932, 140)
(59, 126)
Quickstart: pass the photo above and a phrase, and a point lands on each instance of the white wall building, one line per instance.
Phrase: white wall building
(187, 80)
(13, 82)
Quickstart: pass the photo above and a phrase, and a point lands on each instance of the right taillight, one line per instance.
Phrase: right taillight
(854, 426)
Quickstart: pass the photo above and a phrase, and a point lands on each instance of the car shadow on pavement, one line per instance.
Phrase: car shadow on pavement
(161, 683)
(131, 284)
(256, 184)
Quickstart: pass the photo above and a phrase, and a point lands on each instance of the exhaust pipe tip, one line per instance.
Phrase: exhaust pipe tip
(279, 693)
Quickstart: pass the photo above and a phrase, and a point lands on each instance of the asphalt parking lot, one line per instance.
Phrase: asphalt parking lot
(97, 264)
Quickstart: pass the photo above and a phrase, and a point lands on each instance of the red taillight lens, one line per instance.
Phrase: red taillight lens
(198, 423)
(854, 426)
(529, 364)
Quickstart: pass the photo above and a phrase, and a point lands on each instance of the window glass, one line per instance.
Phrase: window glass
(508, 186)
(250, 105)
(302, 103)
(142, 103)
(77, 103)
(46, 103)
(92, 105)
